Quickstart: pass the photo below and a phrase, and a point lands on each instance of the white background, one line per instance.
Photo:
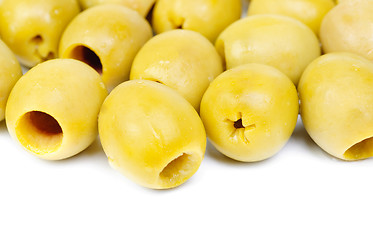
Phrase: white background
(301, 193)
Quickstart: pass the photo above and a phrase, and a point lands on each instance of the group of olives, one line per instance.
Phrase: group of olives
(204, 72)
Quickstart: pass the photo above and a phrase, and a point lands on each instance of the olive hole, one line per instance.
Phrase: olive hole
(360, 150)
(178, 170)
(49, 56)
(87, 56)
(238, 124)
(239, 132)
(39, 132)
(38, 39)
(177, 23)
(45, 123)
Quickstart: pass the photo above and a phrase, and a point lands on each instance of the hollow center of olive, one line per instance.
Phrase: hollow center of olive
(238, 124)
(178, 170)
(360, 150)
(44, 123)
(87, 56)
(38, 39)
(39, 132)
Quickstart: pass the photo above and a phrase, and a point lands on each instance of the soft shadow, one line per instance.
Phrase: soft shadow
(300, 135)
(3, 128)
(95, 149)
(93, 153)
(149, 16)
(221, 158)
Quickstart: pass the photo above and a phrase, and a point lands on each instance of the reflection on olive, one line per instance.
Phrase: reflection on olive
(336, 93)
(52, 110)
(151, 134)
(207, 17)
(141, 6)
(107, 37)
(32, 29)
(278, 41)
(181, 59)
(10, 72)
(250, 112)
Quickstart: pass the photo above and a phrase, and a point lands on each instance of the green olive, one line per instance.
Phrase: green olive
(349, 28)
(181, 59)
(107, 37)
(250, 112)
(151, 134)
(10, 72)
(310, 12)
(279, 41)
(208, 17)
(336, 93)
(32, 29)
(141, 6)
(52, 110)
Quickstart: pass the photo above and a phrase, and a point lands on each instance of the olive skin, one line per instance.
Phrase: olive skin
(52, 110)
(310, 12)
(336, 92)
(141, 6)
(208, 17)
(250, 112)
(32, 29)
(181, 59)
(151, 134)
(279, 41)
(10, 72)
(349, 28)
(107, 37)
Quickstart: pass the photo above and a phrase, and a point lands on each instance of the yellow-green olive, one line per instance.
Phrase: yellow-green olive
(250, 112)
(349, 28)
(279, 41)
(32, 29)
(208, 17)
(107, 37)
(310, 12)
(10, 72)
(341, 1)
(52, 110)
(151, 134)
(336, 93)
(141, 6)
(181, 59)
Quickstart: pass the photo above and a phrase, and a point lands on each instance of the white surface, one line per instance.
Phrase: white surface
(301, 193)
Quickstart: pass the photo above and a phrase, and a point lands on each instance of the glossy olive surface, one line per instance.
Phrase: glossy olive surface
(250, 112)
(107, 37)
(349, 28)
(52, 110)
(208, 17)
(279, 41)
(10, 72)
(151, 134)
(181, 59)
(310, 12)
(141, 6)
(32, 29)
(336, 93)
